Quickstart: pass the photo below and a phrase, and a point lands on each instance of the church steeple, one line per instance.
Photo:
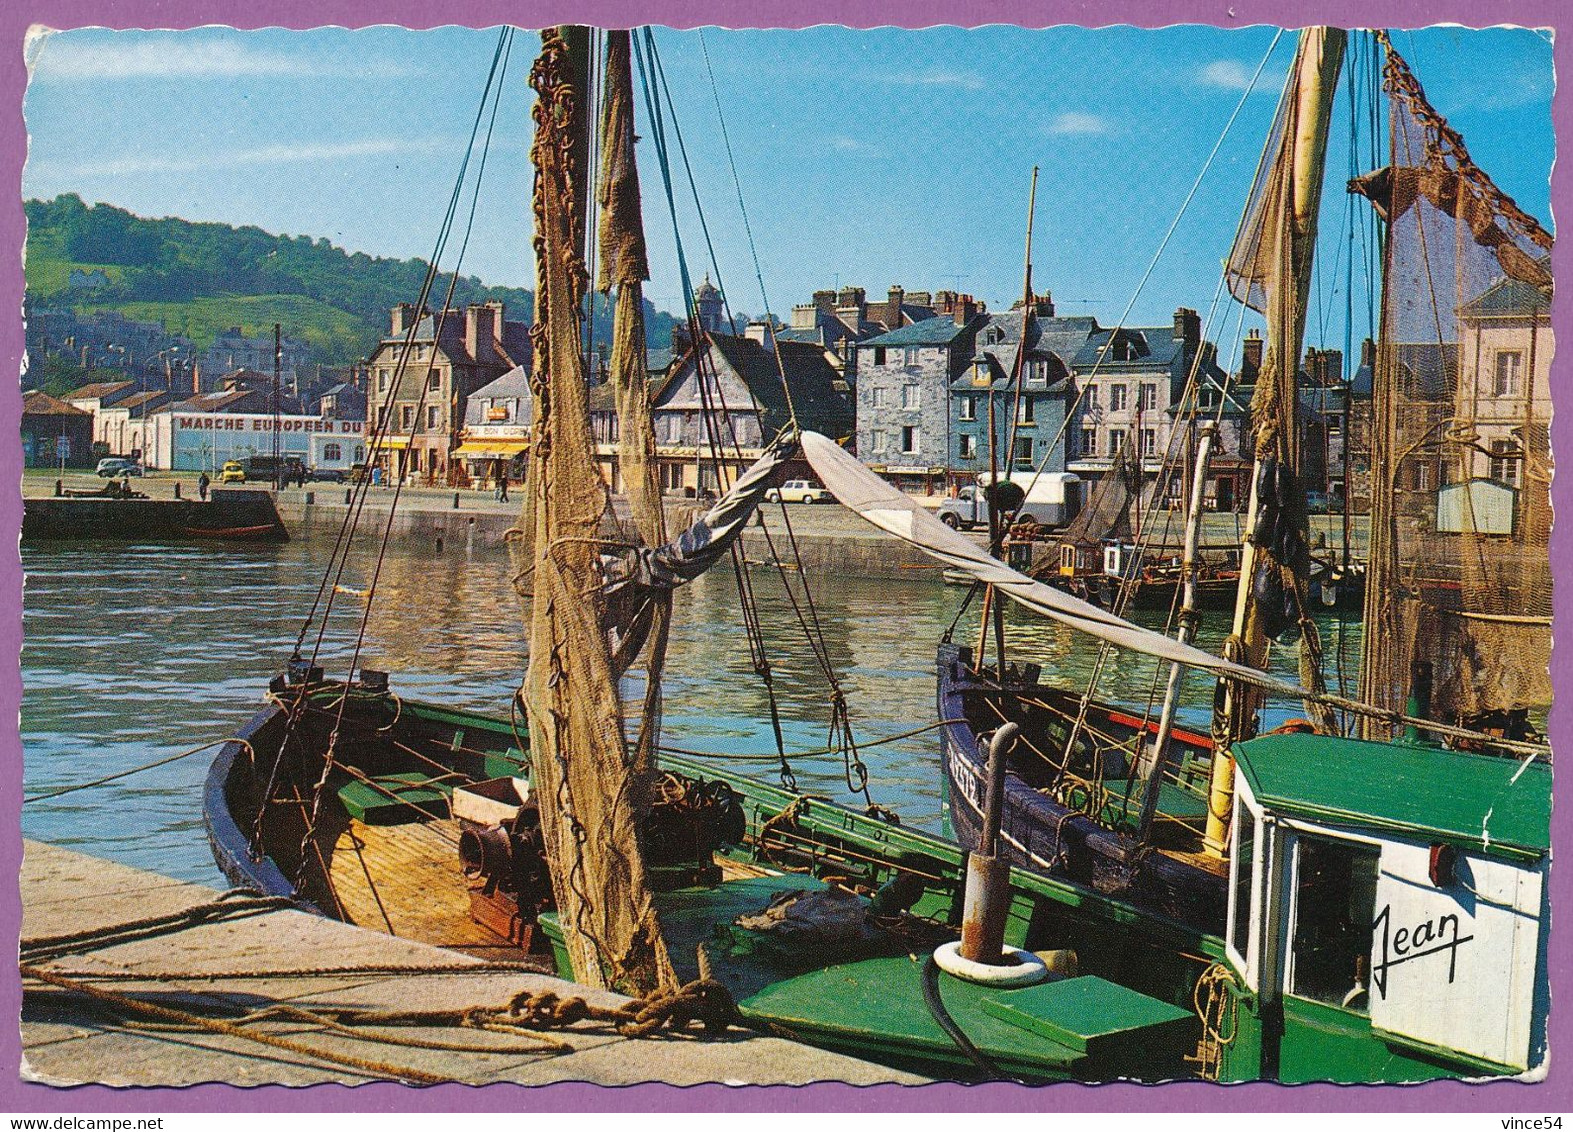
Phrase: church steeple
(708, 304)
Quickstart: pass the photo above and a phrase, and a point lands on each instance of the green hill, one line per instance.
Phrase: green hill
(202, 278)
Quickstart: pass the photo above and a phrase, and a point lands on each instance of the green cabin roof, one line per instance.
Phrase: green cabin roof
(1497, 805)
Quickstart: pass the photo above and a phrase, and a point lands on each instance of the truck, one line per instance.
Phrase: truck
(1053, 498)
(285, 469)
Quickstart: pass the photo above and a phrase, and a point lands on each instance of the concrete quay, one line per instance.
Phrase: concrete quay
(257, 960)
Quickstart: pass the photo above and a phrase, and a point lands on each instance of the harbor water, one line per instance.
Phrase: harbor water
(133, 654)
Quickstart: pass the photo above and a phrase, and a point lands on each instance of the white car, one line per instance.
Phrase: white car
(799, 491)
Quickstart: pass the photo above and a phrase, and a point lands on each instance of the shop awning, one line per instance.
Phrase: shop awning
(388, 442)
(491, 449)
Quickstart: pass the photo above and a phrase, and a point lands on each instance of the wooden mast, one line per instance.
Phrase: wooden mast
(1281, 266)
(590, 792)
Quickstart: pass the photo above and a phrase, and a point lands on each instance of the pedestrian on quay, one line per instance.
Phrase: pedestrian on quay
(202, 486)
(502, 488)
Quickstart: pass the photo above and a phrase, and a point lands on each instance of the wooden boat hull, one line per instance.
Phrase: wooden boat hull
(1042, 832)
(789, 842)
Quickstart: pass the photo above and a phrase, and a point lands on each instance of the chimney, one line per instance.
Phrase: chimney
(761, 331)
(1187, 327)
(480, 330)
(893, 307)
(825, 301)
(1368, 354)
(1251, 356)
(402, 315)
(1332, 367)
(965, 309)
(196, 377)
(1044, 305)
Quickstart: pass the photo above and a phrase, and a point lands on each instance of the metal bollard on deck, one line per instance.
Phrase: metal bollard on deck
(456, 501)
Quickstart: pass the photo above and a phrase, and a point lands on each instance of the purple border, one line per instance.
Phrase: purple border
(1553, 1094)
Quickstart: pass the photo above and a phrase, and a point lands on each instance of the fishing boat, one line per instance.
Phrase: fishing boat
(551, 834)
(1131, 803)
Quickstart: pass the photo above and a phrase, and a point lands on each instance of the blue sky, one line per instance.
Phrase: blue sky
(865, 157)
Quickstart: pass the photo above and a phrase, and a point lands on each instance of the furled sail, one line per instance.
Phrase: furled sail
(896, 513)
(1458, 603)
(589, 789)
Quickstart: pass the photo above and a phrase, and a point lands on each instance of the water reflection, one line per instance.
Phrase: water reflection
(173, 646)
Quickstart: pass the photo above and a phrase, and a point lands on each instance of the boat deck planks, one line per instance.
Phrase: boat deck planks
(414, 868)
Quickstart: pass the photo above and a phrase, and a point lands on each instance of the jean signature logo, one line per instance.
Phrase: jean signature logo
(1396, 946)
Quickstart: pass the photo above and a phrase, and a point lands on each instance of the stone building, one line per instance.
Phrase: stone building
(420, 409)
(234, 350)
(1046, 387)
(497, 429)
(55, 434)
(903, 397)
(837, 321)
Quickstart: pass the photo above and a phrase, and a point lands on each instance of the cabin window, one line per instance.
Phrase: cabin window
(967, 446)
(1118, 396)
(1335, 907)
(909, 439)
(332, 452)
(1509, 373)
(968, 410)
(1243, 854)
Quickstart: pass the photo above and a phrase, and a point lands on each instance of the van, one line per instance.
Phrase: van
(267, 469)
(1053, 498)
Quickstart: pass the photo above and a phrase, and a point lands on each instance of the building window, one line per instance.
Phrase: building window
(360, 453)
(415, 459)
(1116, 441)
(382, 417)
(332, 452)
(967, 446)
(1422, 475)
(1024, 450)
(433, 382)
(1149, 397)
(909, 439)
(880, 439)
(1505, 462)
(433, 416)
(909, 397)
(879, 397)
(1089, 442)
(1335, 909)
(407, 417)
(1090, 398)
(1149, 441)
(912, 355)
(1117, 396)
(968, 410)
(1509, 373)
(1027, 414)
(1207, 398)
(879, 355)
(382, 381)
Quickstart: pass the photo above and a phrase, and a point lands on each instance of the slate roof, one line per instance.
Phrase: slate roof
(659, 361)
(1155, 347)
(1508, 298)
(215, 402)
(514, 383)
(812, 379)
(940, 331)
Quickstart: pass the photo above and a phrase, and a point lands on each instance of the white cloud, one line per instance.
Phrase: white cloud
(1077, 122)
(138, 164)
(1229, 74)
(846, 144)
(61, 57)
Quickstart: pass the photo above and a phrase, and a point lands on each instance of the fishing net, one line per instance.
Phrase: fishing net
(1459, 583)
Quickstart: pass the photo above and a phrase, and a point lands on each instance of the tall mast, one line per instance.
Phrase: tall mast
(1272, 259)
(590, 797)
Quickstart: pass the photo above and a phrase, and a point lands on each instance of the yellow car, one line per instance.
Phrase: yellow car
(233, 472)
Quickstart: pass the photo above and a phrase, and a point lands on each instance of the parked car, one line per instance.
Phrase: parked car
(799, 491)
(326, 475)
(233, 472)
(117, 466)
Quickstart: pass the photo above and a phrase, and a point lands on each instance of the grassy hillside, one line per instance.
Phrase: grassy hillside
(202, 278)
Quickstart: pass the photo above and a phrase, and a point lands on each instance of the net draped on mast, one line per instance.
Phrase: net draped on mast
(1459, 592)
(590, 787)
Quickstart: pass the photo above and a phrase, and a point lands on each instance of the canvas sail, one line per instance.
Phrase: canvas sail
(1459, 584)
